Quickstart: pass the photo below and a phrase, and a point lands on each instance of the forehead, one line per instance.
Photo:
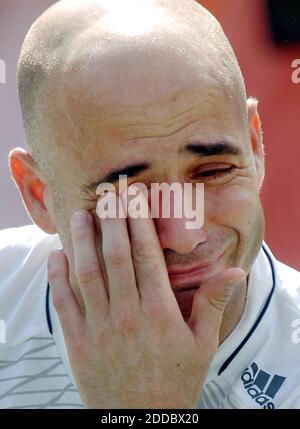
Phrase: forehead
(149, 71)
(134, 100)
(154, 142)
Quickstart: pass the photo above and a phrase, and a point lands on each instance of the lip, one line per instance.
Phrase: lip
(185, 278)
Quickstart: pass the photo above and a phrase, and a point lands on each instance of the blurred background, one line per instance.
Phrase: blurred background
(266, 38)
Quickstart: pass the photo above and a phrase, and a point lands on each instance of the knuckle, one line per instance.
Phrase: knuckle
(156, 312)
(60, 302)
(116, 256)
(142, 250)
(89, 273)
(104, 338)
(160, 320)
(217, 303)
(127, 323)
(78, 347)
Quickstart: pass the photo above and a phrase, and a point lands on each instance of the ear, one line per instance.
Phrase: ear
(256, 135)
(33, 189)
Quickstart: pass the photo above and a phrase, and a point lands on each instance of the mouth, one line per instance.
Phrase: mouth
(185, 278)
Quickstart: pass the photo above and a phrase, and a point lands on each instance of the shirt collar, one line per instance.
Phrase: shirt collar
(261, 285)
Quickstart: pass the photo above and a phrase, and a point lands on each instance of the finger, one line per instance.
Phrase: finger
(149, 263)
(87, 265)
(123, 292)
(210, 302)
(64, 300)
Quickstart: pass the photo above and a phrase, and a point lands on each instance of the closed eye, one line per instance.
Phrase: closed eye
(213, 173)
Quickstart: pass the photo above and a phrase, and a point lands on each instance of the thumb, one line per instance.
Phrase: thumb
(209, 304)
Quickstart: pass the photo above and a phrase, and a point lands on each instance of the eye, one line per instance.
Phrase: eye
(215, 173)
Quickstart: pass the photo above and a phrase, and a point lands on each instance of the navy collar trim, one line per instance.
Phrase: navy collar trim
(258, 320)
(49, 323)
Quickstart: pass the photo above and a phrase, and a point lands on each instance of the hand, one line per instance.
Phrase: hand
(131, 348)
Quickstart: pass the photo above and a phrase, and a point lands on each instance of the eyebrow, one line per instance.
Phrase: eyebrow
(201, 149)
(211, 149)
(113, 176)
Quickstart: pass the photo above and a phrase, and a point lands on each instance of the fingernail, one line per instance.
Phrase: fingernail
(229, 287)
(81, 218)
(238, 279)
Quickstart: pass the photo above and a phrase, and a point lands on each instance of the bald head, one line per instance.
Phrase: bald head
(150, 89)
(102, 51)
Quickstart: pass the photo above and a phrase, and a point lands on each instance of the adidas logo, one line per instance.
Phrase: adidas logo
(261, 386)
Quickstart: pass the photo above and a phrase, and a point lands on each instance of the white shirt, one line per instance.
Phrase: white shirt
(257, 366)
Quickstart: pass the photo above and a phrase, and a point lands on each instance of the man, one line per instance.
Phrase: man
(141, 312)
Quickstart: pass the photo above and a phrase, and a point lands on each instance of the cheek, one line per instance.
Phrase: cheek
(234, 206)
(238, 209)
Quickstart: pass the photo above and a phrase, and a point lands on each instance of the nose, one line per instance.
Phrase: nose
(174, 235)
